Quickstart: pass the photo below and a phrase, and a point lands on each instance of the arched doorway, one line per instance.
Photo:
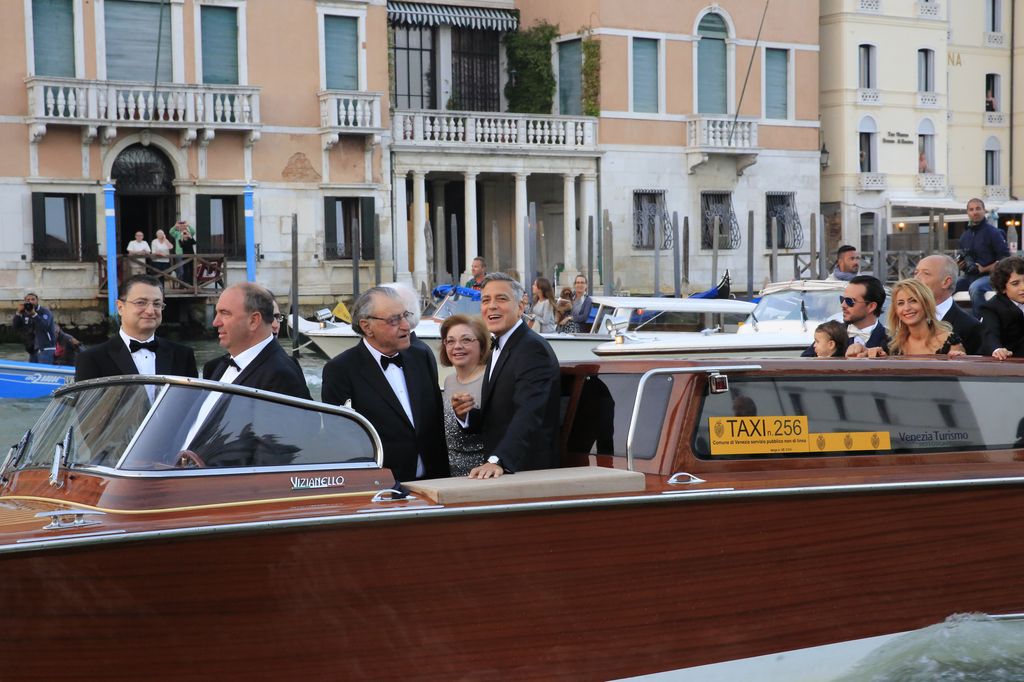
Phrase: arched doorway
(144, 198)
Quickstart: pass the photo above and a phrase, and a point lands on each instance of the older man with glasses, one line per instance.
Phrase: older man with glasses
(136, 349)
(861, 303)
(389, 381)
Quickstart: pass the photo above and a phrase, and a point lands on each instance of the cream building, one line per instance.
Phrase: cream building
(916, 106)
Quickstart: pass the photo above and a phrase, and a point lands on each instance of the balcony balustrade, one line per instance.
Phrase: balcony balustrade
(489, 130)
(931, 182)
(872, 182)
(996, 119)
(721, 133)
(927, 99)
(997, 192)
(868, 96)
(871, 6)
(348, 112)
(994, 39)
(928, 9)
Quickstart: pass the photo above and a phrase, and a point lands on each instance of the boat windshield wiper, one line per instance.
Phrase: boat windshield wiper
(803, 313)
(648, 321)
(14, 454)
(753, 320)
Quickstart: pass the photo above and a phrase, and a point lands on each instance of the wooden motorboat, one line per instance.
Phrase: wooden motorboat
(28, 380)
(705, 513)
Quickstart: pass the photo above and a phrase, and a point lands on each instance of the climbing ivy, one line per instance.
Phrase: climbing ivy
(531, 79)
(591, 74)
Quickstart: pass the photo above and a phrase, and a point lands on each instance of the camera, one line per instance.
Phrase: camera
(967, 263)
(29, 307)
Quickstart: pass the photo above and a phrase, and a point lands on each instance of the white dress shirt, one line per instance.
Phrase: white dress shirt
(942, 308)
(396, 379)
(243, 359)
(502, 340)
(144, 359)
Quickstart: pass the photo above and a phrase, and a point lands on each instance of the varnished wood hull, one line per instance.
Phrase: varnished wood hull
(584, 592)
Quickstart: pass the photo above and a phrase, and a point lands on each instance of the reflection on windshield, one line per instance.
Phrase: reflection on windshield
(463, 305)
(785, 305)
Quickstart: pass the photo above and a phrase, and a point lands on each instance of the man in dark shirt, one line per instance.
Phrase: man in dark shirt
(981, 247)
(36, 325)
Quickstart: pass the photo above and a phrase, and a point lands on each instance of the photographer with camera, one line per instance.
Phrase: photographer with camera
(35, 323)
(981, 247)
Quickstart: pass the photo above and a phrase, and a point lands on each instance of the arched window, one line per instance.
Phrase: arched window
(925, 146)
(992, 151)
(867, 133)
(712, 66)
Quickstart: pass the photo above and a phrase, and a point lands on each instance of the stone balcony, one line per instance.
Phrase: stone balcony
(869, 96)
(993, 39)
(927, 100)
(930, 182)
(997, 192)
(928, 9)
(187, 108)
(349, 112)
(996, 119)
(722, 135)
(473, 131)
(872, 182)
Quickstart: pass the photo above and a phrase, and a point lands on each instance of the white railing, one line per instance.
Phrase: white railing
(928, 9)
(927, 99)
(348, 110)
(872, 182)
(721, 133)
(868, 96)
(90, 102)
(873, 6)
(489, 130)
(997, 192)
(991, 39)
(931, 182)
(996, 118)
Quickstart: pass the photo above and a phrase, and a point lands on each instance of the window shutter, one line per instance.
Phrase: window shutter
(645, 75)
(38, 225)
(367, 208)
(220, 45)
(331, 228)
(341, 52)
(202, 235)
(570, 78)
(132, 46)
(776, 76)
(712, 81)
(53, 38)
(87, 206)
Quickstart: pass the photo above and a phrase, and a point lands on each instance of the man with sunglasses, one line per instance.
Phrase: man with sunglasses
(136, 349)
(861, 303)
(389, 381)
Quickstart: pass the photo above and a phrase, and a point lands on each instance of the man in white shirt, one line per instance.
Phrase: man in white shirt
(136, 349)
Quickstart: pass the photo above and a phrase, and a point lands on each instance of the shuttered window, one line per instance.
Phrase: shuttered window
(712, 61)
(220, 45)
(776, 83)
(133, 51)
(341, 52)
(570, 78)
(53, 38)
(645, 75)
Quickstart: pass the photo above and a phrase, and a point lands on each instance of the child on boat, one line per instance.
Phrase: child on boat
(830, 340)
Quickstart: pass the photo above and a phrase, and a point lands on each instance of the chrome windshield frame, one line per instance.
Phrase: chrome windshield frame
(166, 381)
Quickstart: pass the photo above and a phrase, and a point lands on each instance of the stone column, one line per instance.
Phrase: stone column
(437, 220)
(470, 220)
(569, 223)
(400, 228)
(588, 188)
(419, 220)
(519, 228)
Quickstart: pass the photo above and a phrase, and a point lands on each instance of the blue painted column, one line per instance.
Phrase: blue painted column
(111, 234)
(250, 237)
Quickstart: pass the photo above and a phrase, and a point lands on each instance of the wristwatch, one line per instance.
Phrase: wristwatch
(493, 459)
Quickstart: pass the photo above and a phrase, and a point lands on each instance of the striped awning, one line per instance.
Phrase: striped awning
(423, 14)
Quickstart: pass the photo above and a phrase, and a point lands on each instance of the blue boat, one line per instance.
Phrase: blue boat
(32, 380)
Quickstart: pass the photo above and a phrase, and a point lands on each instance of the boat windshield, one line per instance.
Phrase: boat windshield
(785, 305)
(463, 305)
(120, 426)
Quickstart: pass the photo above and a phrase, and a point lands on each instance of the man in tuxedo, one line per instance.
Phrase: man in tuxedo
(861, 303)
(389, 381)
(939, 273)
(518, 416)
(245, 313)
(136, 349)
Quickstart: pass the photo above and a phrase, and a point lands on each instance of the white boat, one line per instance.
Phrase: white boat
(797, 306)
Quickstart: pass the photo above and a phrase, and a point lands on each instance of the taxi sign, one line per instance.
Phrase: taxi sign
(785, 435)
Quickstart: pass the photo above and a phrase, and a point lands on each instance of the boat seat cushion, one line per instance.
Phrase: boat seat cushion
(572, 481)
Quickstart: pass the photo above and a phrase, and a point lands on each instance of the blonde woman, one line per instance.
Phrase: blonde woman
(914, 328)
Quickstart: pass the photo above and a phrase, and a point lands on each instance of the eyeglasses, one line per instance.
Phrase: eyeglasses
(279, 317)
(394, 320)
(142, 304)
(848, 302)
(451, 341)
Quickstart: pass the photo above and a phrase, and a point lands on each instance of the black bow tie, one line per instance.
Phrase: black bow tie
(385, 361)
(134, 345)
(494, 342)
(231, 363)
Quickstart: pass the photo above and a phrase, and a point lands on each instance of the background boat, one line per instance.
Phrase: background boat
(27, 380)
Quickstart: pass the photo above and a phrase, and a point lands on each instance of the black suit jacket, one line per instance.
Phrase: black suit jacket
(355, 375)
(271, 370)
(519, 411)
(878, 338)
(969, 331)
(112, 358)
(1002, 325)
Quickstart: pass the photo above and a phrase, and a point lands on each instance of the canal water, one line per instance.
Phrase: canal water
(18, 415)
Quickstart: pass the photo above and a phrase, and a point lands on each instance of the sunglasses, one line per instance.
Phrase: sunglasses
(848, 302)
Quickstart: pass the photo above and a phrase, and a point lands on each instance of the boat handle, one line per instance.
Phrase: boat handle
(393, 495)
(69, 518)
(683, 478)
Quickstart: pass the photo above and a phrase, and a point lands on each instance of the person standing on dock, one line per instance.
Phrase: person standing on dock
(136, 349)
(479, 270)
(36, 325)
(244, 323)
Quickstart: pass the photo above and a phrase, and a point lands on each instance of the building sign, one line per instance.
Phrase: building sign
(892, 137)
(953, 59)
